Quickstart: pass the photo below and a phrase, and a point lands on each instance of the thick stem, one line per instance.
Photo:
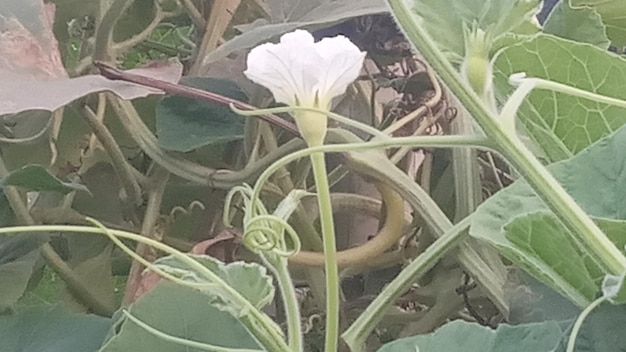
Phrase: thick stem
(330, 251)
(601, 249)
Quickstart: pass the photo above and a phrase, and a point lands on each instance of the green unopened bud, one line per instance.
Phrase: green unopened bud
(476, 68)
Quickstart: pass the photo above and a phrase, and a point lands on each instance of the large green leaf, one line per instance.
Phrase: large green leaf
(460, 336)
(184, 124)
(287, 15)
(445, 20)
(251, 280)
(181, 312)
(561, 124)
(18, 255)
(595, 179)
(52, 329)
(37, 178)
(582, 25)
(613, 14)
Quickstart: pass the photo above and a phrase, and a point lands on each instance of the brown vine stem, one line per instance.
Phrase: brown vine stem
(148, 229)
(113, 73)
(392, 228)
(60, 267)
(122, 168)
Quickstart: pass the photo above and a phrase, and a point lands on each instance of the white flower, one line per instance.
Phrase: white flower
(300, 72)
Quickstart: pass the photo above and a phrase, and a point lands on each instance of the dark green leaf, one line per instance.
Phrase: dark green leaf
(460, 336)
(37, 178)
(18, 255)
(52, 329)
(180, 312)
(184, 124)
(602, 330)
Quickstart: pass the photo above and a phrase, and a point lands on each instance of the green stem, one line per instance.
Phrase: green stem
(339, 118)
(601, 249)
(292, 308)
(423, 141)
(330, 251)
(358, 332)
(571, 342)
(104, 31)
(259, 324)
(563, 88)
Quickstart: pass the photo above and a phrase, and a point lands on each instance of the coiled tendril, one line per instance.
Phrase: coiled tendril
(264, 233)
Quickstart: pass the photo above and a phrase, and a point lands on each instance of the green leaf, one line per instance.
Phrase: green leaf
(184, 124)
(563, 125)
(582, 25)
(251, 280)
(52, 329)
(539, 244)
(180, 312)
(460, 336)
(287, 15)
(37, 178)
(445, 20)
(613, 13)
(594, 178)
(18, 255)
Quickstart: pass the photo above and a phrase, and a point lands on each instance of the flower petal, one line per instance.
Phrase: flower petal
(342, 65)
(290, 69)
